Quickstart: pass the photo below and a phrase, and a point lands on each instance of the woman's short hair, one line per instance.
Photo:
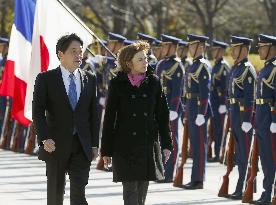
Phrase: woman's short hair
(127, 53)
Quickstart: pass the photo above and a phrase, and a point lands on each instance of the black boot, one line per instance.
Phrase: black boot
(237, 195)
(194, 185)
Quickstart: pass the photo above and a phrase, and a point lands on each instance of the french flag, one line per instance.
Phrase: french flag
(38, 24)
(17, 67)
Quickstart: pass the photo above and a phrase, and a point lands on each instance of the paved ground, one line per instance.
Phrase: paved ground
(23, 182)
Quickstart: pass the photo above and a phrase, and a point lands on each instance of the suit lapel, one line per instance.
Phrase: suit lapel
(61, 87)
(84, 81)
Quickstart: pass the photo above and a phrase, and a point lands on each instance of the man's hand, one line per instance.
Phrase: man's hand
(49, 145)
(107, 161)
(167, 154)
(95, 153)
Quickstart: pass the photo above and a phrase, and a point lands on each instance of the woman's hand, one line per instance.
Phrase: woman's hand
(167, 154)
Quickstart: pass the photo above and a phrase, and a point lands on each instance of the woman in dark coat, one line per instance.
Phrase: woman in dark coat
(136, 125)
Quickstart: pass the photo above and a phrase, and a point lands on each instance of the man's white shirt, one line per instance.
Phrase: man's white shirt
(66, 80)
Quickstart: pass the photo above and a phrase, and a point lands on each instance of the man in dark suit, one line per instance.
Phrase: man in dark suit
(65, 118)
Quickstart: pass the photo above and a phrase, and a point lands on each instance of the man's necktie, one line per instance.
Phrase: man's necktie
(72, 92)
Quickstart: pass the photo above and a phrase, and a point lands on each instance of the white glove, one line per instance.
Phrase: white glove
(246, 126)
(200, 120)
(222, 109)
(273, 127)
(173, 115)
(102, 101)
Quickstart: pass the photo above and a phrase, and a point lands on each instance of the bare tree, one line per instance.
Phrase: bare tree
(6, 17)
(270, 8)
(206, 11)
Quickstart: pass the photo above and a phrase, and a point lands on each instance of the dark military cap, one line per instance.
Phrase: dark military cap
(220, 44)
(157, 42)
(142, 36)
(239, 40)
(172, 39)
(192, 38)
(183, 43)
(128, 42)
(267, 40)
(116, 37)
(4, 40)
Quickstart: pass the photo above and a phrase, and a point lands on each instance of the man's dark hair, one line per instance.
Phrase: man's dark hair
(65, 41)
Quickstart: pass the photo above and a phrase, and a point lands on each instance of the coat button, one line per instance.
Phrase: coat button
(132, 96)
(145, 114)
(134, 114)
(134, 133)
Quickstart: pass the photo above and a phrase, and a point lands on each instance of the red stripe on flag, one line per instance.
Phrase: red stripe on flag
(19, 102)
(16, 89)
(44, 55)
(7, 87)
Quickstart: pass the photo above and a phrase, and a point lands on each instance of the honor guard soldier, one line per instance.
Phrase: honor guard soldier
(4, 43)
(241, 93)
(266, 114)
(156, 49)
(182, 53)
(171, 73)
(118, 40)
(197, 84)
(108, 70)
(218, 95)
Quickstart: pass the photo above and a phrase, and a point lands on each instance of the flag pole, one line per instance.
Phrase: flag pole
(84, 26)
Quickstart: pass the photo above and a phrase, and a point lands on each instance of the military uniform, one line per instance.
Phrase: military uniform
(186, 62)
(171, 73)
(197, 86)
(265, 115)
(219, 79)
(241, 94)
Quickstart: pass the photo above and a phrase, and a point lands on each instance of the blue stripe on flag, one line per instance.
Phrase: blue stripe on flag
(24, 17)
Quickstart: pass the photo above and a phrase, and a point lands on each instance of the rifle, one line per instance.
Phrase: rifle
(223, 192)
(12, 140)
(6, 126)
(100, 164)
(29, 146)
(274, 197)
(210, 138)
(14, 146)
(178, 180)
(224, 140)
(248, 194)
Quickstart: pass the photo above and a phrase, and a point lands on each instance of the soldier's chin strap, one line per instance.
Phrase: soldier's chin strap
(196, 50)
(240, 50)
(269, 48)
